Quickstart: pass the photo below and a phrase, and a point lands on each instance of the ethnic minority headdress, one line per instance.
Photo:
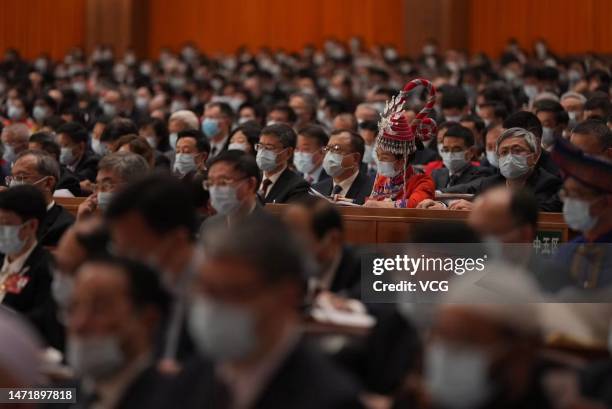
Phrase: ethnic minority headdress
(395, 134)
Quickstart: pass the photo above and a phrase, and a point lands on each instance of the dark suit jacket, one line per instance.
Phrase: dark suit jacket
(425, 156)
(35, 301)
(347, 278)
(442, 177)
(53, 226)
(544, 185)
(289, 186)
(322, 176)
(68, 180)
(359, 190)
(87, 168)
(305, 380)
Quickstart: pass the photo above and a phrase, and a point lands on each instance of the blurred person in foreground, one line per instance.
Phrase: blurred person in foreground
(397, 184)
(245, 320)
(116, 311)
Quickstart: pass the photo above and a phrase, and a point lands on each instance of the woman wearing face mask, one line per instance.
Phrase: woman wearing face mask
(245, 137)
(397, 184)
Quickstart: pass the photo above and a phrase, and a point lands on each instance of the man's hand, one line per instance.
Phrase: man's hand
(431, 204)
(461, 204)
(88, 207)
(86, 186)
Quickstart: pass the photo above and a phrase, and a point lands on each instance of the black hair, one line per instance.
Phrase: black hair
(315, 132)
(224, 107)
(599, 102)
(291, 116)
(75, 131)
(369, 126)
(478, 122)
(250, 129)
(26, 201)
(325, 217)
(161, 132)
(460, 131)
(202, 144)
(241, 161)
(525, 120)
(597, 129)
(164, 203)
(524, 207)
(117, 128)
(356, 141)
(285, 134)
(47, 143)
(549, 105)
(453, 97)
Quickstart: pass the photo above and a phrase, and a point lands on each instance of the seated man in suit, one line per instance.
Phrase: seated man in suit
(40, 169)
(25, 280)
(68, 184)
(343, 163)
(245, 320)
(233, 178)
(117, 308)
(192, 150)
(280, 184)
(75, 154)
(308, 155)
(457, 153)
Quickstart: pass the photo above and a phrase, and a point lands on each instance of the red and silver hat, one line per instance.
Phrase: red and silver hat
(395, 134)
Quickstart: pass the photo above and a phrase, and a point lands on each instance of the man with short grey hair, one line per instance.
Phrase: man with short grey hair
(573, 104)
(38, 168)
(114, 171)
(14, 141)
(305, 107)
(181, 121)
(518, 151)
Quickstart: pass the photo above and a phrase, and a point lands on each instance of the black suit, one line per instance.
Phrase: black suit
(304, 380)
(53, 226)
(359, 190)
(69, 181)
(34, 300)
(87, 167)
(544, 185)
(443, 179)
(289, 186)
(424, 156)
(322, 176)
(347, 277)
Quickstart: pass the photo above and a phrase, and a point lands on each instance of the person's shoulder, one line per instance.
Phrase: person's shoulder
(63, 214)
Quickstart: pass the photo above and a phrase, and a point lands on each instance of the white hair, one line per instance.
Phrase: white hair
(529, 137)
(186, 117)
(368, 105)
(20, 131)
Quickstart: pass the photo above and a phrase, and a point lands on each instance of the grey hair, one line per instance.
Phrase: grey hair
(577, 95)
(309, 99)
(186, 117)
(46, 165)
(19, 130)
(529, 137)
(129, 166)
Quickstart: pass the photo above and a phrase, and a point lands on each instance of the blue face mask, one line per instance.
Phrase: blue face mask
(237, 146)
(454, 161)
(332, 163)
(66, 156)
(577, 214)
(10, 243)
(386, 169)
(266, 160)
(224, 199)
(492, 158)
(210, 127)
(303, 162)
(222, 331)
(184, 163)
(104, 199)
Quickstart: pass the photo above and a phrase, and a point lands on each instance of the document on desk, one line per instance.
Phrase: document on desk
(338, 201)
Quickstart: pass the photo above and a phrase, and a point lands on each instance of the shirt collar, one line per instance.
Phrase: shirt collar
(273, 178)
(50, 205)
(347, 183)
(315, 173)
(16, 265)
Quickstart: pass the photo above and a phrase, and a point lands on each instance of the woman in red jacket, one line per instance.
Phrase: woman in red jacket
(397, 183)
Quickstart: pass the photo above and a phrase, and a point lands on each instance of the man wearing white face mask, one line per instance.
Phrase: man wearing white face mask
(343, 163)
(72, 138)
(118, 309)
(573, 103)
(280, 184)
(179, 121)
(518, 151)
(454, 103)
(192, 151)
(232, 182)
(554, 121)
(308, 155)
(25, 279)
(14, 141)
(457, 154)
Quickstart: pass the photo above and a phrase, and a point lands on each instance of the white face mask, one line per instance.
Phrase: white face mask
(266, 160)
(66, 156)
(457, 378)
(98, 147)
(577, 214)
(236, 146)
(386, 169)
(222, 331)
(224, 199)
(10, 243)
(492, 158)
(9, 154)
(152, 141)
(368, 154)
(332, 164)
(107, 360)
(104, 199)
(454, 161)
(173, 140)
(513, 166)
(548, 136)
(303, 162)
(454, 118)
(184, 163)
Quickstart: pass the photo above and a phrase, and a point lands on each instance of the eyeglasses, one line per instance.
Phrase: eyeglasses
(259, 146)
(221, 182)
(22, 180)
(333, 149)
(515, 150)
(104, 186)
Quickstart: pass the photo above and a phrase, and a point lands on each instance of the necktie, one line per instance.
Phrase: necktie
(264, 187)
(309, 179)
(213, 151)
(337, 189)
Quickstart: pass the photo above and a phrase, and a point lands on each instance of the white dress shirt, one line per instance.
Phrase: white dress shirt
(15, 266)
(346, 184)
(273, 178)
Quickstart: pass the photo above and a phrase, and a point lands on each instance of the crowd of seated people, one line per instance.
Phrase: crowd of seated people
(173, 286)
